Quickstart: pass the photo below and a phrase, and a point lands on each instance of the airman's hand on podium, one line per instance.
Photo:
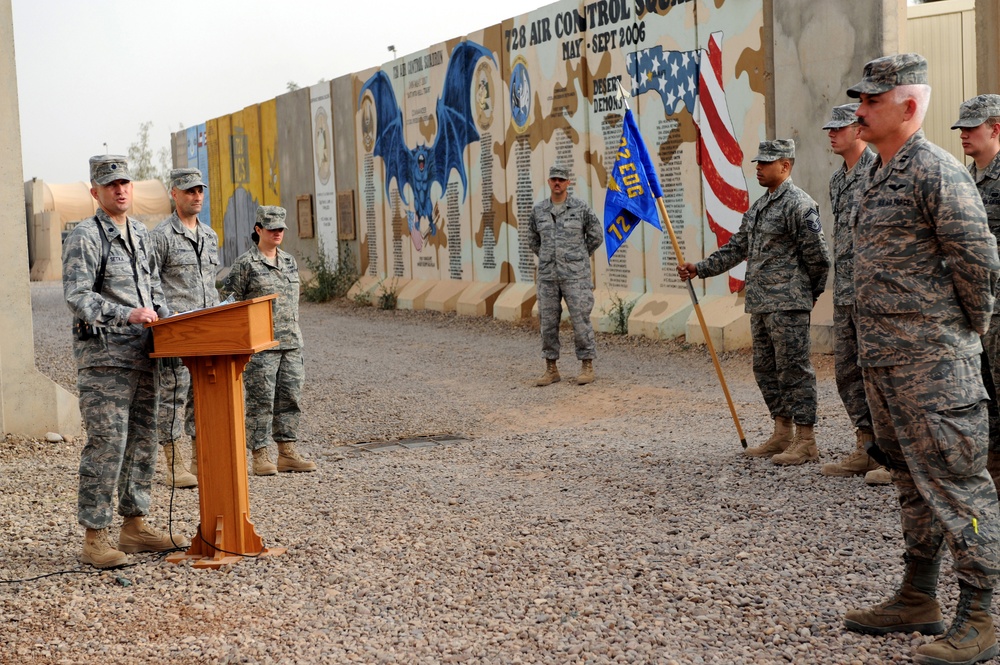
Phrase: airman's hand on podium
(142, 315)
(687, 271)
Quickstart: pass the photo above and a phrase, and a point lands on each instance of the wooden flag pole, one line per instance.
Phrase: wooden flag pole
(694, 298)
(701, 320)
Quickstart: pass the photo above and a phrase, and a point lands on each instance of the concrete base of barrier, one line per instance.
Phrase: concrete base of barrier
(515, 302)
(48, 248)
(660, 315)
(444, 295)
(603, 317)
(35, 405)
(728, 325)
(413, 294)
(479, 299)
(366, 284)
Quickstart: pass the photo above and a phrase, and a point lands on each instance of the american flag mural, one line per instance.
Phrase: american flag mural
(692, 80)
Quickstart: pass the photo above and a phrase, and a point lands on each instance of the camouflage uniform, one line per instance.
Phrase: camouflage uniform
(988, 183)
(787, 263)
(844, 186)
(923, 297)
(273, 379)
(115, 376)
(187, 262)
(563, 238)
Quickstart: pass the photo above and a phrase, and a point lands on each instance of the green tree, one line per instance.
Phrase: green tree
(141, 158)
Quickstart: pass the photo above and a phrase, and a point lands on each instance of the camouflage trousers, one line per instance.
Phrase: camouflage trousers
(991, 379)
(579, 297)
(850, 382)
(931, 428)
(119, 412)
(782, 366)
(176, 410)
(272, 383)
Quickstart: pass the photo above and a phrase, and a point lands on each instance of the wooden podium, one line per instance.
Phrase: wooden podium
(215, 344)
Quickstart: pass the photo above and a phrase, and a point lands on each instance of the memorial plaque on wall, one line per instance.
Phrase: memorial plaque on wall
(345, 215)
(304, 215)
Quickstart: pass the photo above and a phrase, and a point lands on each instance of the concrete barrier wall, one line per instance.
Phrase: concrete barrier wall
(443, 152)
(295, 173)
(31, 404)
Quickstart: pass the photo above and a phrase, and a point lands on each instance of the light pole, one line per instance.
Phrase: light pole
(392, 49)
(105, 147)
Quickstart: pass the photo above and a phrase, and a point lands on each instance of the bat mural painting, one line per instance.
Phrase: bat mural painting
(444, 151)
(421, 167)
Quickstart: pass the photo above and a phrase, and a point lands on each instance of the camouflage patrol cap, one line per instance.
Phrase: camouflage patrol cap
(843, 116)
(974, 112)
(186, 179)
(884, 74)
(770, 151)
(559, 172)
(108, 168)
(271, 218)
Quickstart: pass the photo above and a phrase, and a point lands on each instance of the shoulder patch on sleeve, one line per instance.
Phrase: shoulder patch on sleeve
(812, 219)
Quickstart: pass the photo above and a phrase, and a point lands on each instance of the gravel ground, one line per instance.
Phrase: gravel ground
(615, 522)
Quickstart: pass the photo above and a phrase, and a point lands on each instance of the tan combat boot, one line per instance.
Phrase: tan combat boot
(194, 458)
(177, 473)
(971, 637)
(914, 606)
(779, 441)
(262, 464)
(858, 463)
(586, 373)
(879, 476)
(137, 536)
(98, 552)
(290, 460)
(551, 374)
(802, 450)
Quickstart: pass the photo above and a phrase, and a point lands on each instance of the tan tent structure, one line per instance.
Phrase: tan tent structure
(52, 209)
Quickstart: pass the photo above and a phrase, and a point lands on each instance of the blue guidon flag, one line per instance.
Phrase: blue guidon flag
(632, 189)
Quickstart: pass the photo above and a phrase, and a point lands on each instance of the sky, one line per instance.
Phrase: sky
(89, 72)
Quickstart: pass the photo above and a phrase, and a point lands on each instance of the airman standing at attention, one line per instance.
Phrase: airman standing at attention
(782, 241)
(845, 140)
(925, 264)
(185, 255)
(563, 233)
(979, 120)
